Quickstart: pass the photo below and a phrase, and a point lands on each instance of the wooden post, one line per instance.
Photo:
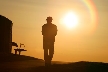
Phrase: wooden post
(19, 52)
(15, 52)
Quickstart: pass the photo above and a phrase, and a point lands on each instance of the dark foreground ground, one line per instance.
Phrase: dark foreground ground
(30, 64)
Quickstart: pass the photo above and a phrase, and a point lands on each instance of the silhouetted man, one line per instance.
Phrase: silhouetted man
(49, 31)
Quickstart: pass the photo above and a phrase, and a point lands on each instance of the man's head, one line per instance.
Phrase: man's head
(49, 19)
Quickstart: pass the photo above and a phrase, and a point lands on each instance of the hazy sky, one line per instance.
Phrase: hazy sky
(88, 41)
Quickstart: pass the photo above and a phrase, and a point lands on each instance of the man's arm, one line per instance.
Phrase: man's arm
(56, 30)
(43, 30)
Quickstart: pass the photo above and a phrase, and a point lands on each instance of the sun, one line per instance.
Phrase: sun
(70, 20)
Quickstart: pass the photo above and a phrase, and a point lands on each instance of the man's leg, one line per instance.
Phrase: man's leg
(46, 57)
(45, 52)
(51, 51)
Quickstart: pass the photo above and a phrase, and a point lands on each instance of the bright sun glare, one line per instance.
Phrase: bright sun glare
(70, 20)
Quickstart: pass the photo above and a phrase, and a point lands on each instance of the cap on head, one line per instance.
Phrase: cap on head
(49, 18)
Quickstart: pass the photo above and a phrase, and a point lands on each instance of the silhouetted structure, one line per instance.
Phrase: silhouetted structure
(5, 35)
(18, 49)
(49, 31)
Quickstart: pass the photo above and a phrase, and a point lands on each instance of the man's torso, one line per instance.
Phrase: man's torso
(49, 32)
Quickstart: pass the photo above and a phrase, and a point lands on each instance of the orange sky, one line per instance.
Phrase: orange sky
(76, 44)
